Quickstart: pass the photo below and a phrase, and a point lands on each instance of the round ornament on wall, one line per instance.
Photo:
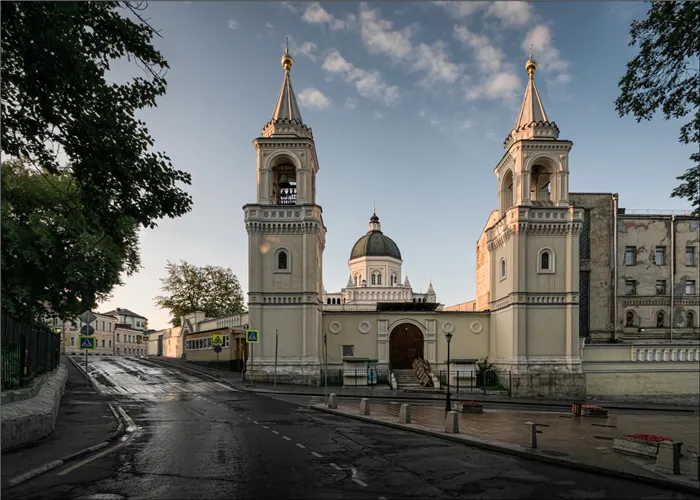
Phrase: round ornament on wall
(364, 327)
(335, 327)
(476, 327)
(448, 327)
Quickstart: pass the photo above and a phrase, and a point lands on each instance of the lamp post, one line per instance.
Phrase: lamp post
(448, 402)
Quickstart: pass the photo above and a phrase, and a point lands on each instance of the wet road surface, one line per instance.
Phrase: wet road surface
(195, 438)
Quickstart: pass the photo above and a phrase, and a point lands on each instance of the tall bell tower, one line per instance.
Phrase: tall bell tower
(534, 256)
(286, 238)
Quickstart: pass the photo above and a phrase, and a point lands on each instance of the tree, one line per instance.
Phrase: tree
(58, 103)
(213, 290)
(52, 256)
(665, 75)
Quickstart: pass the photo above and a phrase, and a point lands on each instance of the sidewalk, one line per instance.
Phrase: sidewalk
(385, 392)
(84, 419)
(562, 438)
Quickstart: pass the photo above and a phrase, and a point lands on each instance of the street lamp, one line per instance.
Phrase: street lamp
(448, 402)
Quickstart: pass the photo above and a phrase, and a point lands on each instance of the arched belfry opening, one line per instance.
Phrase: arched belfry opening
(284, 183)
(541, 178)
(405, 345)
(507, 192)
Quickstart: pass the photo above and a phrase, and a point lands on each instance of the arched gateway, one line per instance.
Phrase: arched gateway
(405, 345)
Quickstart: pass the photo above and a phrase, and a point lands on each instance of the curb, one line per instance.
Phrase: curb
(537, 456)
(121, 429)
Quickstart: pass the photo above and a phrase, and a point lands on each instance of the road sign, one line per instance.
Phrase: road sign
(217, 349)
(252, 336)
(87, 343)
(217, 339)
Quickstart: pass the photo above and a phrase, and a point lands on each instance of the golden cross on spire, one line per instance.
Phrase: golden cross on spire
(286, 50)
(374, 207)
(530, 51)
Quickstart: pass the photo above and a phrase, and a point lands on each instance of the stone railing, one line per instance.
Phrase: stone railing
(682, 354)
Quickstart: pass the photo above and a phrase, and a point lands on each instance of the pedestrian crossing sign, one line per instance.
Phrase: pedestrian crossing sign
(87, 343)
(217, 339)
(252, 336)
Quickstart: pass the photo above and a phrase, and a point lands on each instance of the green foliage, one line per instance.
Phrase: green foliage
(665, 75)
(483, 366)
(213, 290)
(56, 100)
(51, 254)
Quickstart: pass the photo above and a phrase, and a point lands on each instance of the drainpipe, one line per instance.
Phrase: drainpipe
(673, 266)
(614, 259)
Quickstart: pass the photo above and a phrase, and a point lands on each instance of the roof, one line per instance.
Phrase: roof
(407, 306)
(124, 312)
(287, 107)
(375, 243)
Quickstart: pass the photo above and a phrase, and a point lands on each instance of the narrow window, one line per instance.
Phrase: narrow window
(357, 280)
(72, 341)
(379, 279)
(630, 256)
(503, 268)
(630, 287)
(103, 342)
(328, 301)
(117, 337)
(629, 319)
(689, 256)
(660, 319)
(689, 287)
(348, 351)
(282, 260)
(690, 319)
(660, 287)
(660, 256)
(374, 279)
(544, 261)
(110, 344)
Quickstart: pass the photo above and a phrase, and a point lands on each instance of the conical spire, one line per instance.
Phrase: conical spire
(350, 282)
(286, 117)
(532, 121)
(406, 283)
(431, 290)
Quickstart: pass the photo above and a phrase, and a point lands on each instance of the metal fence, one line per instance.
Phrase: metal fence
(336, 378)
(28, 350)
(491, 382)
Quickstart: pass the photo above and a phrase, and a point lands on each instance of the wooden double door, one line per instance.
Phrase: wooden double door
(405, 345)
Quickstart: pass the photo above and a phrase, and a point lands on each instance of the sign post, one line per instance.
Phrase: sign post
(217, 350)
(325, 369)
(274, 386)
(217, 341)
(252, 337)
(87, 343)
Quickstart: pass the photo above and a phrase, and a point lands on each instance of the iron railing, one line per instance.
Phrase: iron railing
(28, 349)
(493, 382)
(336, 378)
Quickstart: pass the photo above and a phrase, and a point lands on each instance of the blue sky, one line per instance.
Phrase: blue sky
(409, 104)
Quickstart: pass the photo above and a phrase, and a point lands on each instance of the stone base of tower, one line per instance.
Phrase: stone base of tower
(300, 371)
(551, 377)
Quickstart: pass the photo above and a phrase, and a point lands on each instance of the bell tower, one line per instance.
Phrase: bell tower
(533, 248)
(286, 238)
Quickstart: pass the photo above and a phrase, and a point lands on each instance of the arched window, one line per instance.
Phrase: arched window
(328, 301)
(379, 279)
(660, 317)
(357, 280)
(282, 260)
(629, 319)
(374, 279)
(393, 279)
(545, 261)
(690, 319)
(502, 269)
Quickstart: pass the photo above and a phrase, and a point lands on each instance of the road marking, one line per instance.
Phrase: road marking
(275, 432)
(336, 466)
(94, 457)
(316, 454)
(285, 437)
(361, 483)
(265, 427)
(227, 387)
(382, 498)
(301, 445)
(249, 418)
(255, 421)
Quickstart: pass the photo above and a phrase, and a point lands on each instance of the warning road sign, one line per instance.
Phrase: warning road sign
(252, 336)
(217, 339)
(87, 343)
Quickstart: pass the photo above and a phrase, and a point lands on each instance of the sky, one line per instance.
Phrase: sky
(409, 104)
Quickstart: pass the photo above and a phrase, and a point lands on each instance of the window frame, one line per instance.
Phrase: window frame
(630, 250)
(552, 261)
(690, 252)
(630, 324)
(276, 260)
(342, 351)
(662, 283)
(634, 287)
(502, 269)
(661, 249)
(662, 323)
(690, 319)
(690, 285)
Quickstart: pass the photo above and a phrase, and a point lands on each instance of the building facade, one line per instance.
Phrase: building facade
(550, 276)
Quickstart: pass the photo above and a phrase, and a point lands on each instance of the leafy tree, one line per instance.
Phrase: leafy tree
(666, 75)
(57, 103)
(213, 290)
(52, 256)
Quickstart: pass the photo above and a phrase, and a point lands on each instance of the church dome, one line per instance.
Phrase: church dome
(375, 243)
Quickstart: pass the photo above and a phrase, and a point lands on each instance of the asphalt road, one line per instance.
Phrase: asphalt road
(200, 439)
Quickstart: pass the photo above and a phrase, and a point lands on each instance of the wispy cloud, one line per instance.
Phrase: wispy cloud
(315, 14)
(350, 103)
(379, 37)
(508, 13)
(269, 25)
(232, 24)
(548, 58)
(496, 79)
(377, 115)
(290, 7)
(306, 49)
(313, 98)
(369, 84)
